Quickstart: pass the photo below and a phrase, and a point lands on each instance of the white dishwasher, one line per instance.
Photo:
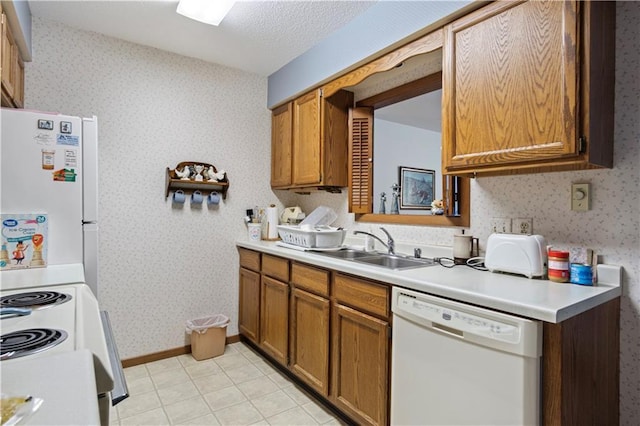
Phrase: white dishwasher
(457, 364)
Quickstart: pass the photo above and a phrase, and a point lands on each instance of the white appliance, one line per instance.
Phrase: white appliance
(34, 145)
(49, 165)
(517, 254)
(456, 364)
(41, 306)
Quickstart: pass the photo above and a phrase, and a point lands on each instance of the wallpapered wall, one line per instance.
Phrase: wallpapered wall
(161, 266)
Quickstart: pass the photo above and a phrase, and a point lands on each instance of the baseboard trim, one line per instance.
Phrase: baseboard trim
(169, 353)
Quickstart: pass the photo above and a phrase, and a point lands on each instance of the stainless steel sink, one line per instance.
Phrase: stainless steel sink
(395, 262)
(380, 259)
(347, 254)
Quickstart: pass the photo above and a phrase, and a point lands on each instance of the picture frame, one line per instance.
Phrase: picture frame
(65, 127)
(416, 188)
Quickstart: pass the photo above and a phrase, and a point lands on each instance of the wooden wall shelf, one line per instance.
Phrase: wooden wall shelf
(174, 182)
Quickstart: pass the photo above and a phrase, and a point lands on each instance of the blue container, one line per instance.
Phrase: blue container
(581, 274)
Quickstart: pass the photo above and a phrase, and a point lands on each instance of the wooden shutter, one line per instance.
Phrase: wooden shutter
(361, 160)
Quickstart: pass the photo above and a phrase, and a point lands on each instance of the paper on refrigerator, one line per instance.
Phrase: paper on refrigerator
(24, 241)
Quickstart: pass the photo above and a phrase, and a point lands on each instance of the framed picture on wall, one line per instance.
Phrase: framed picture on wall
(416, 188)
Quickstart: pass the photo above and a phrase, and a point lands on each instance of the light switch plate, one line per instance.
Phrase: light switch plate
(500, 225)
(580, 197)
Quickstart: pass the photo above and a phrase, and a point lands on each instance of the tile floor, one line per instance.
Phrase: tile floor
(236, 388)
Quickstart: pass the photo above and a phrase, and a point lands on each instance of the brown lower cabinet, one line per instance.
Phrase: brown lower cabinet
(360, 365)
(332, 332)
(274, 307)
(309, 335)
(336, 342)
(249, 313)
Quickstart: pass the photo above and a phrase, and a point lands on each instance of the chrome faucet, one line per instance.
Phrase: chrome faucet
(390, 244)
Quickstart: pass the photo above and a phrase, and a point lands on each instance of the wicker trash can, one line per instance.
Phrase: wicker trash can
(208, 336)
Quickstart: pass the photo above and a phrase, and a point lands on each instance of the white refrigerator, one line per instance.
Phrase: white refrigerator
(49, 164)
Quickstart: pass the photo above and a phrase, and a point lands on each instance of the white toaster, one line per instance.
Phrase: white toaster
(518, 254)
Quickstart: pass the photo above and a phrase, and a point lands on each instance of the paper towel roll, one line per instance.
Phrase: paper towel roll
(272, 222)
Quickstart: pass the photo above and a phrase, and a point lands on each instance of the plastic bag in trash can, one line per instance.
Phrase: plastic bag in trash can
(200, 325)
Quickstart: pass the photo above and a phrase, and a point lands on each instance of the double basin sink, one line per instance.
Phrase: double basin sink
(389, 261)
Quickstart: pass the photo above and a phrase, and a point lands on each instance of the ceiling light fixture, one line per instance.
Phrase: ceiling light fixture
(210, 12)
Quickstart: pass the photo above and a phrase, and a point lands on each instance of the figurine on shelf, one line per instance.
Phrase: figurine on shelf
(215, 177)
(394, 200)
(199, 168)
(383, 202)
(184, 174)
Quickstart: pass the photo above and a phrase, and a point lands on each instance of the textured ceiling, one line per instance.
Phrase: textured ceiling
(256, 36)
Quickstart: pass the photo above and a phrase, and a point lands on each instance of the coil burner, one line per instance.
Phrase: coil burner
(30, 341)
(34, 300)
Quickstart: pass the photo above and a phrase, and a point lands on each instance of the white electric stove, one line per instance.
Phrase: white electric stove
(54, 310)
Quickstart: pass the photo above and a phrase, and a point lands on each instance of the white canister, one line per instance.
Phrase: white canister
(464, 247)
(255, 231)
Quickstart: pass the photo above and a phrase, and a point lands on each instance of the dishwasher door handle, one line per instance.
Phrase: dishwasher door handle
(447, 330)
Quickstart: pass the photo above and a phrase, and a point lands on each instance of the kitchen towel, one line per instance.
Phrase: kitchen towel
(272, 222)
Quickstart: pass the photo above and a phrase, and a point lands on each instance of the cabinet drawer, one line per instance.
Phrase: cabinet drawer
(249, 259)
(309, 278)
(275, 267)
(362, 294)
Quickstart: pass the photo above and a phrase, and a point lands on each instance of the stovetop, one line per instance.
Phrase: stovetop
(74, 312)
(58, 317)
(75, 376)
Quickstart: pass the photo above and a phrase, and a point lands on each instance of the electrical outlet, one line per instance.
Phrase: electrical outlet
(500, 225)
(523, 225)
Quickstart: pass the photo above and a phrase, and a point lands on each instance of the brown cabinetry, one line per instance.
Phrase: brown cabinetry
(528, 87)
(309, 328)
(274, 318)
(309, 346)
(281, 128)
(12, 68)
(249, 309)
(330, 330)
(274, 307)
(309, 141)
(360, 349)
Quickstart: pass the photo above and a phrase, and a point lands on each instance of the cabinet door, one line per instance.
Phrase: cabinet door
(249, 312)
(274, 319)
(309, 347)
(360, 365)
(509, 85)
(281, 127)
(307, 138)
(9, 50)
(18, 83)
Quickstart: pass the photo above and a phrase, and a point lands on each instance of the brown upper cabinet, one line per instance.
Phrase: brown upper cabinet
(281, 128)
(528, 87)
(309, 142)
(12, 68)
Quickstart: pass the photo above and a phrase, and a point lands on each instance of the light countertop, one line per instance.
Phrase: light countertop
(531, 298)
(65, 382)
